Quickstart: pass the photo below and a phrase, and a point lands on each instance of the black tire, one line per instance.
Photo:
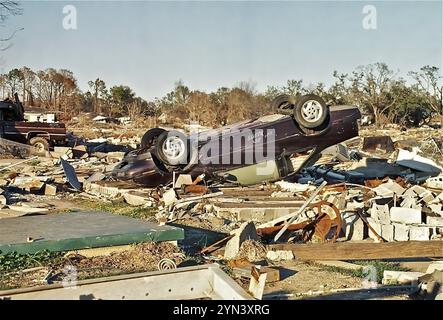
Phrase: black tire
(283, 101)
(149, 137)
(181, 140)
(39, 143)
(311, 111)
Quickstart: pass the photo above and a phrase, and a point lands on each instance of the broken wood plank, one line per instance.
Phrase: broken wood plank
(363, 251)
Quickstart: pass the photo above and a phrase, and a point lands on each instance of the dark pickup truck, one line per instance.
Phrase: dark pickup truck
(40, 135)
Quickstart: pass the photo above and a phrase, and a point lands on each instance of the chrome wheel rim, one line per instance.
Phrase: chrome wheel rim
(173, 147)
(311, 111)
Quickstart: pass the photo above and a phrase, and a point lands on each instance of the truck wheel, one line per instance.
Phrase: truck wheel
(149, 137)
(172, 148)
(41, 144)
(310, 111)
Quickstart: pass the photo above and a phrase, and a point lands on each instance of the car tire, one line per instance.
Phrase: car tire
(283, 101)
(149, 136)
(311, 111)
(40, 144)
(172, 148)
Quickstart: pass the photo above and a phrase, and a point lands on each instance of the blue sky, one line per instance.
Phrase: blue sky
(150, 45)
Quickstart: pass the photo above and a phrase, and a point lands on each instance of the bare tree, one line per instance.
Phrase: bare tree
(428, 80)
(371, 86)
(28, 77)
(9, 8)
(98, 88)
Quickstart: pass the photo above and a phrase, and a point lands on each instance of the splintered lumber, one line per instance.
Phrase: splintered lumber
(363, 251)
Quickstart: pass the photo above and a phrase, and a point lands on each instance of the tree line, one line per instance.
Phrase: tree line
(378, 90)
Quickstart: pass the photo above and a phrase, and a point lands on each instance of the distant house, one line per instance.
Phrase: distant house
(103, 119)
(40, 115)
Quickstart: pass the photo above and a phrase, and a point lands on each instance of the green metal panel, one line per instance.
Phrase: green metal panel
(79, 230)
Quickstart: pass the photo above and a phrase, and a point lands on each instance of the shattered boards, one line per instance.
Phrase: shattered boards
(79, 230)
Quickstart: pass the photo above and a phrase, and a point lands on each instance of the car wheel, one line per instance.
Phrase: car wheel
(311, 111)
(283, 101)
(149, 137)
(40, 144)
(172, 148)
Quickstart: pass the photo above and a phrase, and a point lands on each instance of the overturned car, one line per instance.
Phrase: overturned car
(249, 152)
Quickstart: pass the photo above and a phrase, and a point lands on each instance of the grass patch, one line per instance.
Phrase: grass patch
(380, 267)
(12, 262)
(121, 208)
(366, 267)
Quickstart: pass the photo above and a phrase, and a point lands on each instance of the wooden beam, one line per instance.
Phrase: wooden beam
(363, 250)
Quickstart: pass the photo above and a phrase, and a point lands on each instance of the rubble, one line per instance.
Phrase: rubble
(362, 191)
(279, 255)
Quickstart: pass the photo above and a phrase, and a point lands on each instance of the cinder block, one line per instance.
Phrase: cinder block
(419, 233)
(434, 221)
(387, 232)
(401, 232)
(405, 215)
(380, 213)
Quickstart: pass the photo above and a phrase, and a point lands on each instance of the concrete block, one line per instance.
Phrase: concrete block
(35, 186)
(169, 197)
(400, 277)
(419, 233)
(279, 255)
(380, 213)
(437, 265)
(387, 232)
(401, 232)
(135, 198)
(245, 232)
(50, 190)
(405, 215)
(434, 221)
(435, 182)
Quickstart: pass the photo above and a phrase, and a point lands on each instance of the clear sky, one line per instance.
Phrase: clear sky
(150, 45)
